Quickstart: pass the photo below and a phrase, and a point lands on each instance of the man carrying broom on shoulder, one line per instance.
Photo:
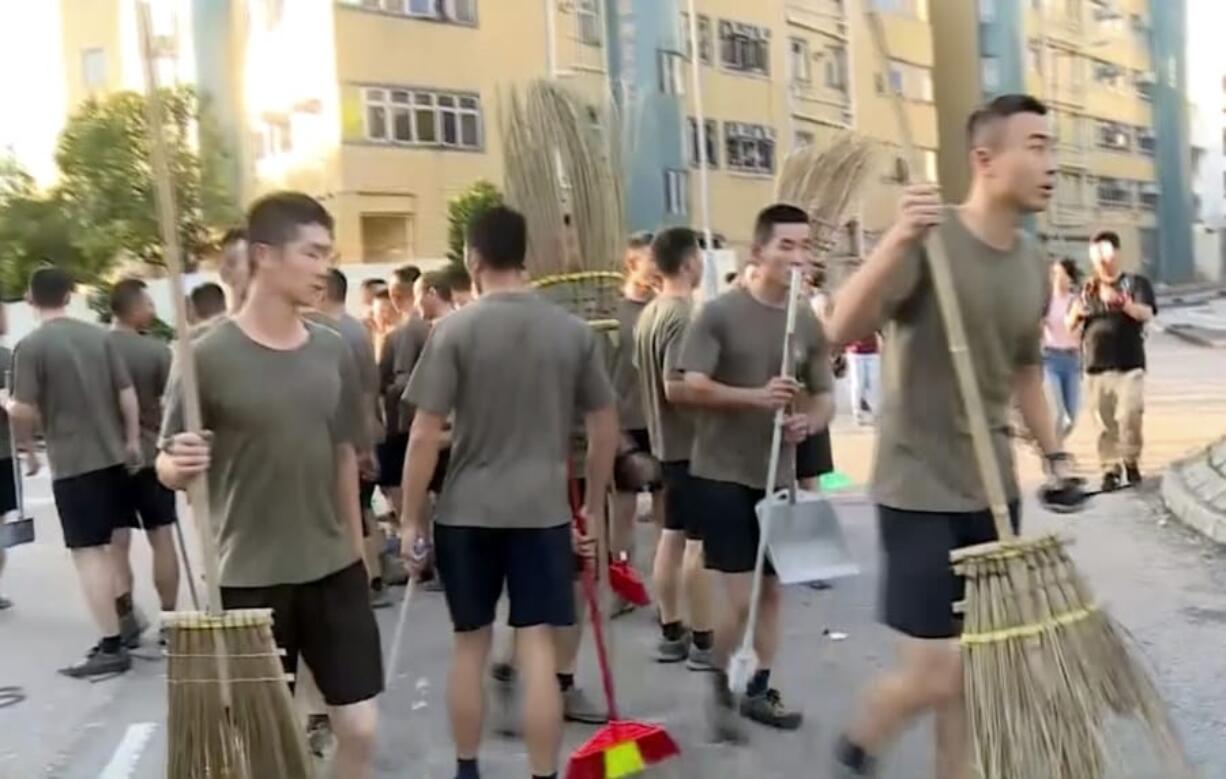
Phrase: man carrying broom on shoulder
(929, 495)
(280, 398)
(731, 358)
(515, 369)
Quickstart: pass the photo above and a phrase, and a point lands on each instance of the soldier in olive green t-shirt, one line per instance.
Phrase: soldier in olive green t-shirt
(926, 480)
(732, 358)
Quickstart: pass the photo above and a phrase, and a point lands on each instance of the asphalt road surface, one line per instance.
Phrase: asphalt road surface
(1165, 585)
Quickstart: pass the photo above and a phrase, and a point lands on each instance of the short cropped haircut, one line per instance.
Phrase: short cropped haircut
(671, 247)
(984, 119)
(374, 284)
(640, 240)
(500, 236)
(1071, 270)
(440, 282)
(778, 214)
(458, 280)
(407, 274)
(1110, 236)
(336, 286)
(208, 300)
(275, 219)
(50, 287)
(124, 295)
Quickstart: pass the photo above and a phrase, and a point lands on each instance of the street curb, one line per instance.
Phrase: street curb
(1194, 491)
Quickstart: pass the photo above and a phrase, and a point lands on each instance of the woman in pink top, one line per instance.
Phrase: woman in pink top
(1062, 345)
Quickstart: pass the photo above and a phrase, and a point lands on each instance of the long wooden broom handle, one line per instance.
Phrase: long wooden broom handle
(197, 491)
(947, 299)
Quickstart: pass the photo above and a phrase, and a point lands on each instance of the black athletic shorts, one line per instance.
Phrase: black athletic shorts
(92, 505)
(440, 471)
(8, 487)
(537, 567)
(729, 525)
(814, 456)
(681, 511)
(330, 623)
(391, 455)
(150, 505)
(919, 586)
(624, 478)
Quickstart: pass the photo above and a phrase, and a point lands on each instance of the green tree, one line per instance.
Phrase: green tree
(33, 228)
(462, 210)
(106, 178)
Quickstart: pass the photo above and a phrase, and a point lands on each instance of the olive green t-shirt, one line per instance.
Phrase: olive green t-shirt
(148, 363)
(6, 441)
(277, 418)
(72, 373)
(516, 370)
(356, 337)
(658, 337)
(924, 459)
(737, 340)
(625, 376)
(401, 349)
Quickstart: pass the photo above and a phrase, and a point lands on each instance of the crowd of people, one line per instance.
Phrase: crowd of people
(457, 394)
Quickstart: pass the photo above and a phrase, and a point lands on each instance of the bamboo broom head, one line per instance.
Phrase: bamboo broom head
(565, 177)
(1052, 682)
(826, 182)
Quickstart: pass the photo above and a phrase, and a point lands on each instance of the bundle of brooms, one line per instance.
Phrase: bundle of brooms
(825, 181)
(1049, 676)
(230, 711)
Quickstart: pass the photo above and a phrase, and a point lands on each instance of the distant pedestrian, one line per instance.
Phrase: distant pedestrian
(208, 304)
(864, 371)
(1062, 346)
(1113, 309)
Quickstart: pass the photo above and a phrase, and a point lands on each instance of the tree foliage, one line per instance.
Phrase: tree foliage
(101, 210)
(462, 210)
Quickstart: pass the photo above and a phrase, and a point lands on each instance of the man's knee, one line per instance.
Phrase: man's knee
(937, 666)
(356, 726)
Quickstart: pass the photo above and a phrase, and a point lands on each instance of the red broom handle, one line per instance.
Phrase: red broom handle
(593, 606)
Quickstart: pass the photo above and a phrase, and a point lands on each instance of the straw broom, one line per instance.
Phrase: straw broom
(230, 712)
(1047, 671)
(825, 182)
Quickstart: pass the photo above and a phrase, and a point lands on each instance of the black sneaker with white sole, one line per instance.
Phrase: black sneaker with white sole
(1111, 480)
(99, 663)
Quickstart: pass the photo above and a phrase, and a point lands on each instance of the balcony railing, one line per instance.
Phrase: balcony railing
(828, 16)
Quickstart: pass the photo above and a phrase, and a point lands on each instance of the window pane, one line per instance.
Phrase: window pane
(400, 96)
(421, 7)
(376, 121)
(450, 128)
(423, 98)
(470, 134)
(375, 95)
(466, 11)
(468, 102)
(446, 101)
(402, 125)
(426, 131)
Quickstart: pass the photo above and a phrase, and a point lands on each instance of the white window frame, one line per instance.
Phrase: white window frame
(836, 66)
(742, 38)
(712, 139)
(800, 66)
(422, 108)
(1104, 126)
(750, 148)
(672, 72)
(93, 58)
(587, 22)
(676, 191)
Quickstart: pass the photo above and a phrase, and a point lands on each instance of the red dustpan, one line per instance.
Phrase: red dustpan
(622, 747)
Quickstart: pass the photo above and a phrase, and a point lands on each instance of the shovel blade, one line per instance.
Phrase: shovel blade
(805, 538)
(16, 533)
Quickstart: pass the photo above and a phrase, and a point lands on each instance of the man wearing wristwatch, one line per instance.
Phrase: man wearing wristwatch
(928, 490)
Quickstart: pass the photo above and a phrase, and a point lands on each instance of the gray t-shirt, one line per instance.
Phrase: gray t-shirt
(6, 440)
(401, 350)
(277, 418)
(357, 338)
(925, 460)
(516, 370)
(148, 363)
(625, 377)
(737, 340)
(72, 373)
(658, 338)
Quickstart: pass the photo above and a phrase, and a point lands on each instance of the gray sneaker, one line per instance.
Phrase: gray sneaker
(701, 659)
(506, 704)
(99, 663)
(768, 709)
(577, 707)
(724, 726)
(380, 599)
(671, 651)
(130, 628)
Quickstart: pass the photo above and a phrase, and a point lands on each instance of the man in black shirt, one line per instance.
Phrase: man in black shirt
(1113, 309)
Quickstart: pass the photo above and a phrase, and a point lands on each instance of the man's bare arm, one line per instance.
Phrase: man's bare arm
(348, 493)
(129, 407)
(700, 389)
(424, 440)
(1032, 402)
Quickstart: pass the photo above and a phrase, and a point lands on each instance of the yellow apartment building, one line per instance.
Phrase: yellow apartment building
(1090, 61)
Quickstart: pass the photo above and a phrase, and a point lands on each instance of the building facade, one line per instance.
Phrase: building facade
(1093, 63)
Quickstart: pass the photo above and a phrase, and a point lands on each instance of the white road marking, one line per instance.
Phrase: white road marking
(127, 754)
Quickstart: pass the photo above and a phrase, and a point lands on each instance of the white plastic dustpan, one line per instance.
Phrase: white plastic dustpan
(805, 539)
